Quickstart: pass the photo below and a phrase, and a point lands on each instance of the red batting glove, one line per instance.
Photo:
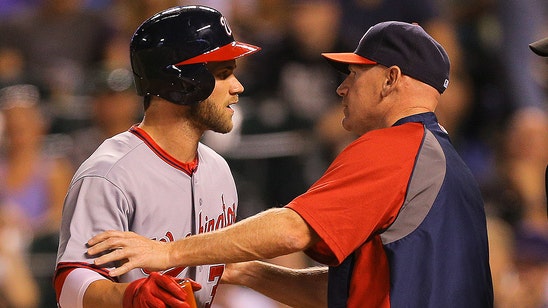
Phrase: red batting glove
(156, 291)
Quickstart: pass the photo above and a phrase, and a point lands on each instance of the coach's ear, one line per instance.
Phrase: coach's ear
(392, 76)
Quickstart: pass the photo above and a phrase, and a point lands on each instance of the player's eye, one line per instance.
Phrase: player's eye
(223, 74)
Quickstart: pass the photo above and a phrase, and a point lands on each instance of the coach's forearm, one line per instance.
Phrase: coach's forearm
(269, 234)
(293, 287)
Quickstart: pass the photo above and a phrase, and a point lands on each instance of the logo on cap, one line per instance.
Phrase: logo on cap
(224, 23)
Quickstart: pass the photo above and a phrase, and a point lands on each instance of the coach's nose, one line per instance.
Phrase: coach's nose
(342, 89)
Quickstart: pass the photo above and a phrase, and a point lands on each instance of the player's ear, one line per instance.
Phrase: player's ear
(392, 76)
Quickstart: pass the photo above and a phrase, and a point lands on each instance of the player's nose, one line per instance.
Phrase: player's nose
(236, 86)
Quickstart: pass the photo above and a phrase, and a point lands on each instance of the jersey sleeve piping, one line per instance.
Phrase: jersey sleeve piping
(422, 190)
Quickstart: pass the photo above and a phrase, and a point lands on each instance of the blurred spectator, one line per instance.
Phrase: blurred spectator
(32, 180)
(518, 192)
(517, 199)
(478, 33)
(18, 288)
(306, 82)
(61, 41)
(114, 104)
(525, 155)
(13, 64)
(114, 108)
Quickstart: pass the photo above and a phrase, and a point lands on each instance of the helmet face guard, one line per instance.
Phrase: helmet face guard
(170, 50)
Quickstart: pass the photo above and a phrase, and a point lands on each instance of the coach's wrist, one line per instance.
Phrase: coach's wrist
(174, 255)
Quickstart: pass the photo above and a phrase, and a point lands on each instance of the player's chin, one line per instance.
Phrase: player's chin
(224, 128)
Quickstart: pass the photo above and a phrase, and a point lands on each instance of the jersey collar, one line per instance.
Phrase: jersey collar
(187, 167)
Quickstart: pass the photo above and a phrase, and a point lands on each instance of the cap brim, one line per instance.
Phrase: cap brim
(341, 60)
(227, 52)
(540, 47)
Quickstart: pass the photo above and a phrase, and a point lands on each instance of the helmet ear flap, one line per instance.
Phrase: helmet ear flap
(195, 84)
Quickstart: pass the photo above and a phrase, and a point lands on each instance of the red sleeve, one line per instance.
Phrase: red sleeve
(362, 191)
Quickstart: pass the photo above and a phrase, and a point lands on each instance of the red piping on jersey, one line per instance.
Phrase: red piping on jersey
(188, 168)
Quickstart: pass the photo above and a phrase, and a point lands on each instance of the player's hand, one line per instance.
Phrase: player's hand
(157, 291)
(134, 250)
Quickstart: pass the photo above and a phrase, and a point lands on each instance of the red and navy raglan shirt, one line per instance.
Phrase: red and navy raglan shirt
(401, 221)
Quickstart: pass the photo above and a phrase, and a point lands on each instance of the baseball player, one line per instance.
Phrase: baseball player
(157, 179)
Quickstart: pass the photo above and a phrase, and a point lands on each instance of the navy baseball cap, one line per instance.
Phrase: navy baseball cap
(406, 45)
(540, 47)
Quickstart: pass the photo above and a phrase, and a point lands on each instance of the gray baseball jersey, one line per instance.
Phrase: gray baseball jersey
(131, 184)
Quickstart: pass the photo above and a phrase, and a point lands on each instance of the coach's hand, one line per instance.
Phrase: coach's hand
(134, 250)
(157, 291)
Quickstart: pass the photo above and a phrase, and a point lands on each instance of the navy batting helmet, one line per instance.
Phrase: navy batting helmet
(169, 52)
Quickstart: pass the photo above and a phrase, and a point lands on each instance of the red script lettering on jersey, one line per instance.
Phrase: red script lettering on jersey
(226, 218)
